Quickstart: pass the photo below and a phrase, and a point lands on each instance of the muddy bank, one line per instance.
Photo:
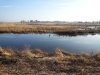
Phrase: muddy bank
(37, 62)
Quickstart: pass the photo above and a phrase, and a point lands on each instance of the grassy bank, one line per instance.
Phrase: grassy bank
(59, 29)
(37, 62)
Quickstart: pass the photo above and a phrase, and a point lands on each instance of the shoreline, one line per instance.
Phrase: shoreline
(37, 62)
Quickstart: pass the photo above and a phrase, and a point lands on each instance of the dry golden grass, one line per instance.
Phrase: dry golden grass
(25, 28)
(37, 62)
(7, 52)
(71, 30)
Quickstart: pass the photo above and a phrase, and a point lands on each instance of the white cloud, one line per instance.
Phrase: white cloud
(81, 10)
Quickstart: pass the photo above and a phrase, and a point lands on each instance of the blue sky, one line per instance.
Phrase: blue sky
(51, 10)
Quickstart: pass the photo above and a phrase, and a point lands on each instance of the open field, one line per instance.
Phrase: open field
(49, 28)
(36, 62)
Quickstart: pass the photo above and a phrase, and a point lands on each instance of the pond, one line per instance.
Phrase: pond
(49, 42)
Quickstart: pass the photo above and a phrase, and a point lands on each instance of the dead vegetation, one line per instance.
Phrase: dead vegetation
(58, 29)
(37, 62)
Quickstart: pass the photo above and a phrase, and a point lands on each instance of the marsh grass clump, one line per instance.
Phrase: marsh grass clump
(36, 53)
(58, 53)
(35, 61)
(97, 56)
(6, 52)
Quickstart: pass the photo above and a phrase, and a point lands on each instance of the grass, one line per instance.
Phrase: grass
(51, 28)
(21, 28)
(37, 62)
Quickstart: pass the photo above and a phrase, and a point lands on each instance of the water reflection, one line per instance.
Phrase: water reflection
(48, 42)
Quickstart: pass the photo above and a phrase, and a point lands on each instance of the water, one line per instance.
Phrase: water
(48, 42)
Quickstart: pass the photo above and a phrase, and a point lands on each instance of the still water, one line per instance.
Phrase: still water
(48, 42)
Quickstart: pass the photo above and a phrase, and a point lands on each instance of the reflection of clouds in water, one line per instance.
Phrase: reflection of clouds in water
(50, 41)
(84, 42)
(88, 40)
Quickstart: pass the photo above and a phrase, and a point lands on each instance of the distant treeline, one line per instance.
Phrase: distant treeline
(61, 22)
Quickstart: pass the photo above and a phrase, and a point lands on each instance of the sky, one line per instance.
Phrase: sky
(49, 10)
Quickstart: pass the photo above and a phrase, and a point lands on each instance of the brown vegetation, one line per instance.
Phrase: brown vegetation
(58, 29)
(37, 62)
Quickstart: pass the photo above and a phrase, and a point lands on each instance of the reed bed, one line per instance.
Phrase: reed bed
(36, 62)
(59, 29)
